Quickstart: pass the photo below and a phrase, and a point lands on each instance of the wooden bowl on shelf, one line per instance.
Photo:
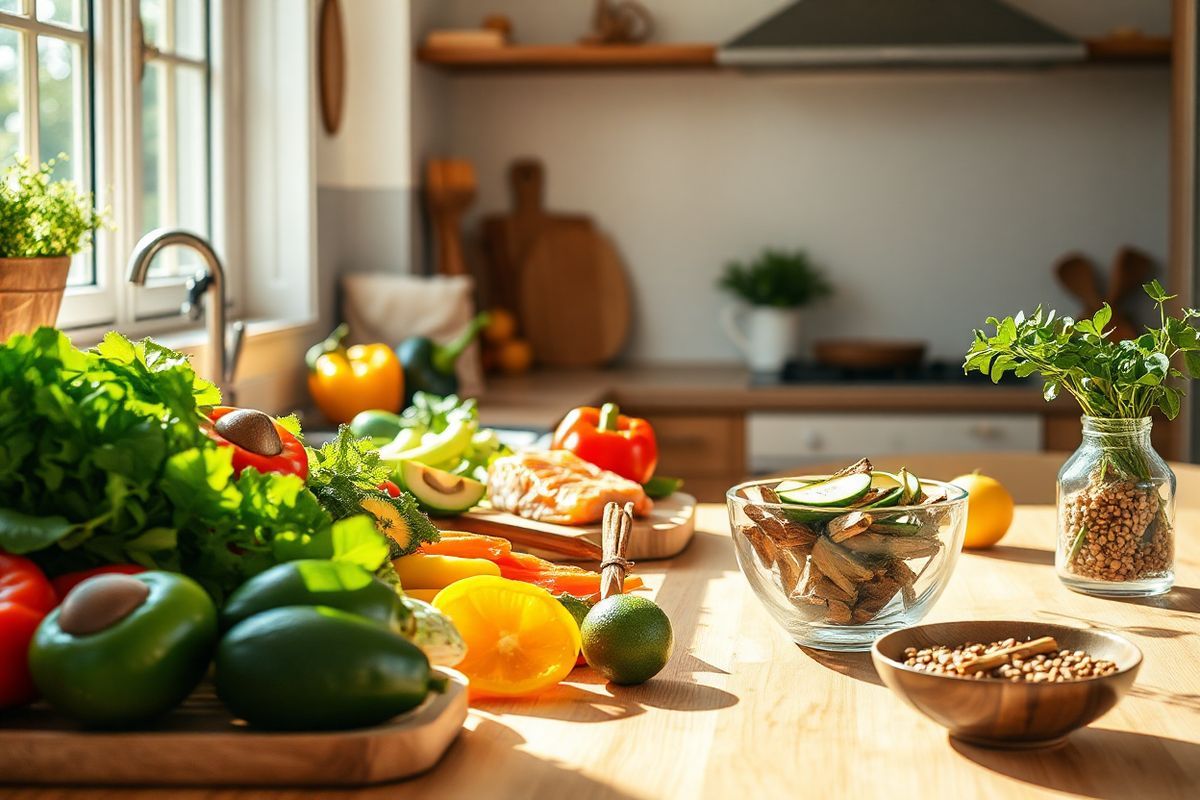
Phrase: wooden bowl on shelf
(868, 353)
(1000, 713)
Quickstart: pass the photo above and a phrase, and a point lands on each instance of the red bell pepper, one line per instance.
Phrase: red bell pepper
(289, 459)
(620, 444)
(68, 581)
(390, 489)
(25, 598)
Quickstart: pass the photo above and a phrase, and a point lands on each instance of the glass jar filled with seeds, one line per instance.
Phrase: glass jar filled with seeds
(1116, 512)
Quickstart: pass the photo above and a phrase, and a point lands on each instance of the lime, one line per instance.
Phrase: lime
(627, 639)
(579, 609)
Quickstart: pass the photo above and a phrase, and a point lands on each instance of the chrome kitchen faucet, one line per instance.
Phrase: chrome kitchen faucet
(222, 356)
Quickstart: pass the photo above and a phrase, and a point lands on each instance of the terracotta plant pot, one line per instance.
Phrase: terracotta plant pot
(31, 290)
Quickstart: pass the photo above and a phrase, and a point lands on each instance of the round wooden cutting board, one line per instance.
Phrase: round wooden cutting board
(574, 296)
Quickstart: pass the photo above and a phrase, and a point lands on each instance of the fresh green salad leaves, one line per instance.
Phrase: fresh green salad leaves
(1125, 379)
(102, 460)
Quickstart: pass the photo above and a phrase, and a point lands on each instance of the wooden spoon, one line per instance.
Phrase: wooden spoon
(449, 189)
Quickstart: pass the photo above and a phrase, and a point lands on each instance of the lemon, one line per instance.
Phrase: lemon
(989, 510)
(520, 639)
(627, 639)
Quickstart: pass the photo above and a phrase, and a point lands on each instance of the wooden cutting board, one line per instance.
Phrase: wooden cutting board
(199, 744)
(507, 238)
(574, 297)
(662, 534)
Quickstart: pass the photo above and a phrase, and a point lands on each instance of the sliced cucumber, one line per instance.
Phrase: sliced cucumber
(912, 486)
(896, 527)
(833, 493)
(892, 498)
(790, 485)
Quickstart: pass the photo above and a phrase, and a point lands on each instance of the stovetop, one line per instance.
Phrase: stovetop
(927, 372)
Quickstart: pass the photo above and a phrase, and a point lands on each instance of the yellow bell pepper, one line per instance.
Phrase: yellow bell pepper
(421, 571)
(346, 380)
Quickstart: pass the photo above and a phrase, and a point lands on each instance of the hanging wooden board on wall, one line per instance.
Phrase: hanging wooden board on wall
(331, 61)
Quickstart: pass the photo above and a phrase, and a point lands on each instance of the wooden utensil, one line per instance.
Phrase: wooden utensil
(575, 298)
(868, 353)
(199, 744)
(331, 58)
(1131, 269)
(664, 533)
(449, 189)
(1000, 713)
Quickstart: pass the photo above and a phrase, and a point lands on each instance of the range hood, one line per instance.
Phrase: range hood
(866, 33)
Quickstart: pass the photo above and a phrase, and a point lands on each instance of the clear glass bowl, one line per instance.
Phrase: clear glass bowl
(837, 592)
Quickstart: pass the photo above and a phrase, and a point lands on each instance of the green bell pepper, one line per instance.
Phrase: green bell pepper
(118, 654)
(429, 367)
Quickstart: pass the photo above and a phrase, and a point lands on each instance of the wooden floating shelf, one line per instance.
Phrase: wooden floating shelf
(699, 56)
(571, 56)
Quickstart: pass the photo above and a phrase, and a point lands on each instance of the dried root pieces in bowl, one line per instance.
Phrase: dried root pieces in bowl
(845, 560)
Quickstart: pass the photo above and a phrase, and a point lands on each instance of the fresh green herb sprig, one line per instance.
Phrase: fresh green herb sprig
(1113, 380)
(776, 278)
(41, 217)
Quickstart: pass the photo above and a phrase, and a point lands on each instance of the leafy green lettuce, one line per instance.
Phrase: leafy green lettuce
(102, 460)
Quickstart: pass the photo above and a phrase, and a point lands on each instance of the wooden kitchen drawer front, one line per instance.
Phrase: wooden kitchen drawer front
(779, 441)
(700, 445)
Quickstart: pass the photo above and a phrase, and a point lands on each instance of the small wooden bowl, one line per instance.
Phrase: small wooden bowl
(993, 713)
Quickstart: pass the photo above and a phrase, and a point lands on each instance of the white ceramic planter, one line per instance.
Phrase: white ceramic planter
(768, 337)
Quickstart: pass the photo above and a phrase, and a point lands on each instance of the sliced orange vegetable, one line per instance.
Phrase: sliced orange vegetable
(556, 578)
(468, 545)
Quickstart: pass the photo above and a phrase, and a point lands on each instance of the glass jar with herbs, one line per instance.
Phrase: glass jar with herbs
(1116, 495)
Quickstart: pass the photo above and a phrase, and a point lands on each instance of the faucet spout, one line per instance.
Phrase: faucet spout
(220, 363)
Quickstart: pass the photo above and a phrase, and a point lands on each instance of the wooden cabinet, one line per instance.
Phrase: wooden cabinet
(707, 450)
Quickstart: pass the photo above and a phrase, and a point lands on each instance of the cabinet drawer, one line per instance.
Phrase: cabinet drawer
(779, 441)
(700, 445)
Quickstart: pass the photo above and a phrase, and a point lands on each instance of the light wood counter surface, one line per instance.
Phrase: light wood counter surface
(741, 712)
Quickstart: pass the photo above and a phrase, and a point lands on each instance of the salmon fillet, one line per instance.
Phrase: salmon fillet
(560, 487)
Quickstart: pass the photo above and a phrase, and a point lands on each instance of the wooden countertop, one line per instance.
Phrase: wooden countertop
(539, 399)
(740, 711)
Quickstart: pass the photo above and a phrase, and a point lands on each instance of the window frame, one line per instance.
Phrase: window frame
(112, 58)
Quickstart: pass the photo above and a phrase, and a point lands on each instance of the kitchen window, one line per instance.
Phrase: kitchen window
(126, 90)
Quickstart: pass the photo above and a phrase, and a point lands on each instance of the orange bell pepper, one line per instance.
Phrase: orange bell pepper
(611, 441)
(346, 380)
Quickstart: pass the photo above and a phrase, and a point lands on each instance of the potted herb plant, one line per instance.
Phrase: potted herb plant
(773, 288)
(1116, 495)
(43, 223)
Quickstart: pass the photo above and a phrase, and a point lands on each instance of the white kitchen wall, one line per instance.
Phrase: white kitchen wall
(933, 199)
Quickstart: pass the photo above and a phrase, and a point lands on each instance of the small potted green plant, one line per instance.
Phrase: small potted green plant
(772, 289)
(1116, 495)
(43, 222)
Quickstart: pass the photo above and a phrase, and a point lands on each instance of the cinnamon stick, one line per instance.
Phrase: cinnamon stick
(617, 526)
(1046, 644)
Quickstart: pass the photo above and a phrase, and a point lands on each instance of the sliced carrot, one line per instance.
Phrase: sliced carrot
(525, 567)
(468, 545)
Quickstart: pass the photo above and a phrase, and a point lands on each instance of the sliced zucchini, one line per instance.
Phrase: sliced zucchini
(833, 493)
(912, 487)
(897, 527)
(892, 498)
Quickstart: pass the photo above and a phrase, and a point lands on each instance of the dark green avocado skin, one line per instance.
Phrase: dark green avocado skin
(308, 668)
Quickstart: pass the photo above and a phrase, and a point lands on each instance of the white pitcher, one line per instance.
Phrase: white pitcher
(768, 337)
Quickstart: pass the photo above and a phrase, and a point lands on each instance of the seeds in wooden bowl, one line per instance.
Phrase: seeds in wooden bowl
(1032, 661)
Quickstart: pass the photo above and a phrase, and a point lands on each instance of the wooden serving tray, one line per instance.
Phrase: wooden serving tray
(200, 744)
(663, 534)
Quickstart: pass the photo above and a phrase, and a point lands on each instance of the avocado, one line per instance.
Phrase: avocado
(376, 424)
(316, 582)
(438, 491)
(318, 668)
